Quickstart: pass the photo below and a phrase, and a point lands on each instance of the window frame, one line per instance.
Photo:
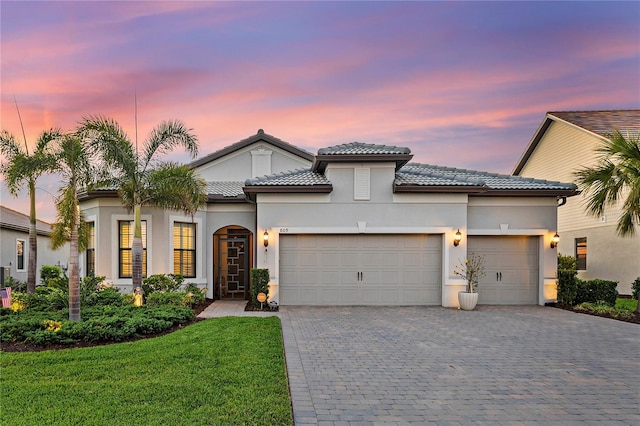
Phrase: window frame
(581, 258)
(121, 250)
(90, 252)
(180, 251)
(21, 258)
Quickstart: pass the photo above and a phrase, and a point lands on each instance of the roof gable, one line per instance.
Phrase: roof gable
(261, 136)
(598, 124)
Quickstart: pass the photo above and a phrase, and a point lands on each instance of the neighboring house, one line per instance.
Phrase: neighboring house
(355, 224)
(565, 142)
(14, 246)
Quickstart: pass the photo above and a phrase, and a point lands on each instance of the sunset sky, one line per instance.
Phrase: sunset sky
(463, 84)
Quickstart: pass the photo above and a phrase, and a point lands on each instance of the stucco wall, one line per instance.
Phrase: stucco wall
(603, 250)
(46, 255)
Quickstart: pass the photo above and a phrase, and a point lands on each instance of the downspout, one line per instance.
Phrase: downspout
(563, 201)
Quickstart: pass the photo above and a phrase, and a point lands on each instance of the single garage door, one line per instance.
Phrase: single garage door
(360, 269)
(511, 267)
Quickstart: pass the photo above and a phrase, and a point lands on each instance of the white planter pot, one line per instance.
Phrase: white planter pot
(468, 301)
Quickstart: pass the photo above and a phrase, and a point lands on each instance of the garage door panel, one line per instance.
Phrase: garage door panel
(511, 267)
(395, 269)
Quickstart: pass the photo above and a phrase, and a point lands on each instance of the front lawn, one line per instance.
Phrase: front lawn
(217, 371)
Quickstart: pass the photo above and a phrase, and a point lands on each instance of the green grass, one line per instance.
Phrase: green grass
(214, 372)
(628, 304)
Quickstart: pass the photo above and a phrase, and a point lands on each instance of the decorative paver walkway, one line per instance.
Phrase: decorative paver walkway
(508, 365)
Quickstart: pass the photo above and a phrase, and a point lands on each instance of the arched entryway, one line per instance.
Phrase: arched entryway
(232, 262)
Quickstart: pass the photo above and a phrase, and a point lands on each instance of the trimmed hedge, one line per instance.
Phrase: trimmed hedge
(596, 291)
(567, 285)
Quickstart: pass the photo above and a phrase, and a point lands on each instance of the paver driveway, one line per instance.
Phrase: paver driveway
(495, 365)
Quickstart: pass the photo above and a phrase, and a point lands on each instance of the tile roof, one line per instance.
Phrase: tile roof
(11, 219)
(358, 148)
(603, 122)
(434, 176)
(225, 189)
(299, 177)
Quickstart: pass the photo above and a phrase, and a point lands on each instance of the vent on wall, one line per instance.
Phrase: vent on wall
(261, 162)
(361, 183)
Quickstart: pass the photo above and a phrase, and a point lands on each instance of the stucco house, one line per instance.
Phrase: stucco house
(14, 246)
(564, 142)
(355, 224)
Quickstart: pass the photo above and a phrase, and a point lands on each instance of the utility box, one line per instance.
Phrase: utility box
(5, 273)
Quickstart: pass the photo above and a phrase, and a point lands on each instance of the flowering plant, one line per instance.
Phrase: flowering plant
(471, 269)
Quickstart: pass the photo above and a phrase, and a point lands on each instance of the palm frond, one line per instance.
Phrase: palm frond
(175, 187)
(164, 138)
(615, 176)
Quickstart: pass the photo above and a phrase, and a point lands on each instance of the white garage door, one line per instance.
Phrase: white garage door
(360, 269)
(511, 266)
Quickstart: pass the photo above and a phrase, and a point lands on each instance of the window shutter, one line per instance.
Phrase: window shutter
(362, 183)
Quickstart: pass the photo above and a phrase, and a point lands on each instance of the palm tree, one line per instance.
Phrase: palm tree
(76, 166)
(614, 177)
(24, 168)
(140, 178)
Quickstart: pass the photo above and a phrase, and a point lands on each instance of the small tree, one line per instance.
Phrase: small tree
(471, 269)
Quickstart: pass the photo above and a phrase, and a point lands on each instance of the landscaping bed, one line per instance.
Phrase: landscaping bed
(630, 316)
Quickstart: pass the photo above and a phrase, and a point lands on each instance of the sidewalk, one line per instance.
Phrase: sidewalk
(232, 308)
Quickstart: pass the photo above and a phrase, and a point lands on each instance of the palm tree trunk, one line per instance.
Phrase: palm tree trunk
(74, 275)
(137, 249)
(33, 239)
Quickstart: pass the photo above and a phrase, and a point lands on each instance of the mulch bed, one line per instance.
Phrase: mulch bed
(24, 347)
(634, 318)
(250, 308)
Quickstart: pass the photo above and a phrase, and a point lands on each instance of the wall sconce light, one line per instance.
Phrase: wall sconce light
(265, 239)
(457, 238)
(555, 240)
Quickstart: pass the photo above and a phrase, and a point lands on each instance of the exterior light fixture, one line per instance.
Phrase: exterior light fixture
(265, 239)
(457, 238)
(555, 240)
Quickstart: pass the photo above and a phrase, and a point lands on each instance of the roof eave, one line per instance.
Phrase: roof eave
(439, 189)
(529, 193)
(288, 189)
(322, 160)
(90, 195)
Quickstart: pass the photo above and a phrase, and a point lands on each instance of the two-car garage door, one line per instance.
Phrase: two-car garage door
(360, 269)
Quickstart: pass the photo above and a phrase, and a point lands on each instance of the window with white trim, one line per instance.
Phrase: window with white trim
(184, 249)
(20, 255)
(125, 253)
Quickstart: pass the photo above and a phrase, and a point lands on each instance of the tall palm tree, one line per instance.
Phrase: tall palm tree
(141, 178)
(76, 166)
(24, 168)
(616, 176)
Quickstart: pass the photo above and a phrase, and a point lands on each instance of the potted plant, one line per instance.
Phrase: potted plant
(471, 269)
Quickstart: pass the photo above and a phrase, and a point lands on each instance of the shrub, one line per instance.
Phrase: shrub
(259, 284)
(597, 292)
(567, 285)
(162, 298)
(49, 273)
(635, 289)
(161, 282)
(100, 324)
(16, 285)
